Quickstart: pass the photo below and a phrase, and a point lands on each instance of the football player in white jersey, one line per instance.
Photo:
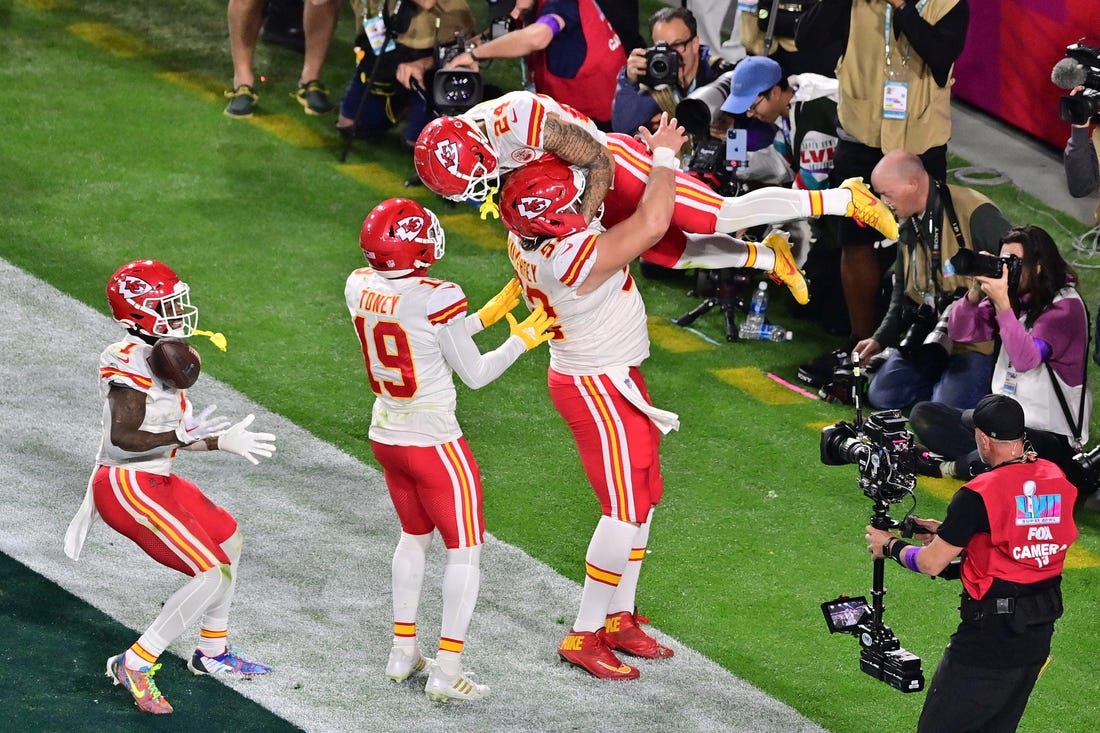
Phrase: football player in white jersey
(464, 157)
(598, 345)
(415, 333)
(146, 421)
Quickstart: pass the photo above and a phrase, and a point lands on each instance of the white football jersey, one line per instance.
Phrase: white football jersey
(595, 332)
(126, 364)
(397, 323)
(514, 125)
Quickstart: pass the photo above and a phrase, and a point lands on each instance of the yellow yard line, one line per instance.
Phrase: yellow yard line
(110, 39)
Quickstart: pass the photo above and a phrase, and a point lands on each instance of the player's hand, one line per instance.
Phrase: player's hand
(193, 427)
(241, 441)
(669, 134)
(533, 329)
(499, 304)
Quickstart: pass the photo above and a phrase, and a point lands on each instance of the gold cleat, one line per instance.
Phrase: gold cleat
(868, 209)
(785, 271)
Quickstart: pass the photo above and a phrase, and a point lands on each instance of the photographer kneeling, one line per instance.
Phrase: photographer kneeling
(1043, 327)
(657, 78)
(1013, 527)
(941, 219)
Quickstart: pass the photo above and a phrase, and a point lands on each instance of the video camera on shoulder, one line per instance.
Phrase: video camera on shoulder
(454, 90)
(1080, 68)
(662, 66)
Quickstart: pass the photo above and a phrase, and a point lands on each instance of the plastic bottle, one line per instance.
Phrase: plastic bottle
(758, 307)
(767, 332)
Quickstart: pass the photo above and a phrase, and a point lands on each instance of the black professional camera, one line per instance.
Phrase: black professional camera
(500, 19)
(1080, 68)
(883, 450)
(454, 90)
(708, 164)
(700, 109)
(926, 340)
(1087, 475)
(662, 66)
(968, 262)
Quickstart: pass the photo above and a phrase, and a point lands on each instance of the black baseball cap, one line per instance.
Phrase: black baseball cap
(998, 416)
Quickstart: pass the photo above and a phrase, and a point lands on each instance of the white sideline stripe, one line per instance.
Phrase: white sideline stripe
(313, 597)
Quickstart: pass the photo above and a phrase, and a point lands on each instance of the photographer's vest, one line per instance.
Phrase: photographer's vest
(454, 16)
(593, 88)
(862, 75)
(1030, 508)
(1034, 392)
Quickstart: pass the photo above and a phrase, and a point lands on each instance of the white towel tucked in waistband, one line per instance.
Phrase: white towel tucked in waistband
(665, 421)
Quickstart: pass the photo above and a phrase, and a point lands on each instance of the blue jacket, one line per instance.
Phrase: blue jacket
(634, 107)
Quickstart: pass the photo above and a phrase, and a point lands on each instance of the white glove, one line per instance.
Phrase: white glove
(248, 444)
(192, 429)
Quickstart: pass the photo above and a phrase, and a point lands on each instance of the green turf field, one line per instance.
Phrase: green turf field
(115, 148)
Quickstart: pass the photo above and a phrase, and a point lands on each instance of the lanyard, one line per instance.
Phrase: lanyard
(888, 26)
(933, 220)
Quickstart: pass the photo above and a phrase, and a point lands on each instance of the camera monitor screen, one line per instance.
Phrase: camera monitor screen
(844, 614)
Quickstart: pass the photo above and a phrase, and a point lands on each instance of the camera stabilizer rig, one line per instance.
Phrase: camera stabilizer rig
(883, 450)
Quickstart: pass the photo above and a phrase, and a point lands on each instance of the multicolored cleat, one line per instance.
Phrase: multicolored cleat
(228, 663)
(139, 683)
(786, 272)
(589, 651)
(868, 209)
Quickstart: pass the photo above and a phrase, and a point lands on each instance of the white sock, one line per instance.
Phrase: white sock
(407, 577)
(214, 627)
(180, 612)
(461, 584)
(607, 556)
(624, 597)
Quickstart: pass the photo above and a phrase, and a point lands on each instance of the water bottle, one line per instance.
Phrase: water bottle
(766, 332)
(758, 306)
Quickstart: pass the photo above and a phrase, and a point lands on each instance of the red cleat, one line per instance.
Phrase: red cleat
(622, 633)
(589, 651)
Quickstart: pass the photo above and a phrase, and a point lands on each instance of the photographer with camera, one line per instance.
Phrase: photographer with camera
(1012, 526)
(390, 73)
(572, 50)
(1042, 324)
(655, 79)
(939, 220)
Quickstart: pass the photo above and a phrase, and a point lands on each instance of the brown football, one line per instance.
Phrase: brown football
(175, 362)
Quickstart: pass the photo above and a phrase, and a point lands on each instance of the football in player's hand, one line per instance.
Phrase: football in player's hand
(176, 362)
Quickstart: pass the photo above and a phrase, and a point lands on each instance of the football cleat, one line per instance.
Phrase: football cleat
(139, 683)
(622, 633)
(785, 271)
(402, 665)
(868, 209)
(590, 652)
(441, 687)
(228, 663)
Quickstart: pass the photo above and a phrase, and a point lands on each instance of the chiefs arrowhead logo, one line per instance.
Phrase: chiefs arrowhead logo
(446, 152)
(133, 287)
(531, 207)
(409, 228)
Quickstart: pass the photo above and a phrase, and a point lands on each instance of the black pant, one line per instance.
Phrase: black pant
(964, 699)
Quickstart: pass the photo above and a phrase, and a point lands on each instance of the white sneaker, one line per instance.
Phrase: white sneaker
(402, 665)
(441, 688)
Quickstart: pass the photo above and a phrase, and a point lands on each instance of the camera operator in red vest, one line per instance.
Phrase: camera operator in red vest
(1012, 526)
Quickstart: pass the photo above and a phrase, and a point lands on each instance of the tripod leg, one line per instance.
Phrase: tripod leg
(692, 315)
(731, 320)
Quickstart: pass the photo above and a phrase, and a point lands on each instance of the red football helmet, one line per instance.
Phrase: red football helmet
(399, 237)
(455, 160)
(149, 296)
(542, 199)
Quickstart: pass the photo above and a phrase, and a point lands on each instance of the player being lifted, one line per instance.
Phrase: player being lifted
(596, 384)
(415, 333)
(146, 420)
(464, 157)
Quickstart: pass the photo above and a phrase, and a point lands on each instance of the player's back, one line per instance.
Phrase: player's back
(397, 321)
(600, 330)
(515, 125)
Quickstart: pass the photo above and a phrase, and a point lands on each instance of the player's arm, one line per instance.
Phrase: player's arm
(127, 415)
(620, 244)
(573, 144)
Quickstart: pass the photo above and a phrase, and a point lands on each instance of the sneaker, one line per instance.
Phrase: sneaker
(590, 652)
(242, 102)
(786, 272)
(228, 663)
(139, 683)
(401, 665)
(928, 463)
(313, 96)
(441, 688)
(868, 209)
(622, 633)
